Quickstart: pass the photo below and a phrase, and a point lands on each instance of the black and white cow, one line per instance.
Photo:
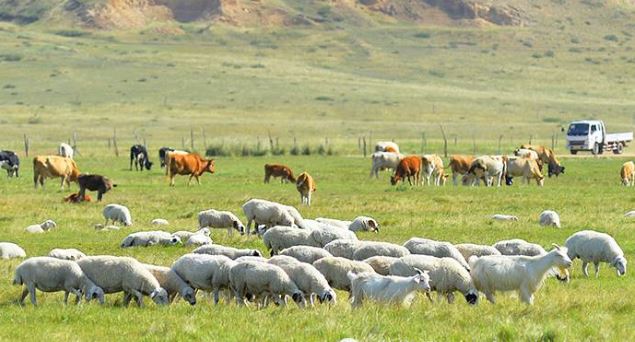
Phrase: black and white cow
(10, 162)
(163, 151)
(139, 156)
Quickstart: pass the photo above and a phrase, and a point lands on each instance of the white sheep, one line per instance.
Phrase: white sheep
(524, 274)
(220, 219)
(549, 218)
(198, 240)
(360, 223)
(369, 249)
(42, 227)
(205, 272)
(503, 217)
(519, 247)
(469, 249)
(160, 222)
(101, 228)
(308, 279)
(387, 289)
(381, 263)
(267, 213)
(596, 247)
(9, 250)
(297, 218)
(263, 280)
(149, 238)
(230, 252)
(117, 213)
(308, 254)
(630, 214)
(323, 234)
(172, 283)
(51, 275)
(66, 254)
(439, 249)
(343, 248)
(115, 274)
(184, 235)
(335, 271)
(446, 275)
(251, 258)
(281, 237)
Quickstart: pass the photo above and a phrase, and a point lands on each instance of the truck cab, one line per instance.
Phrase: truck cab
(590, 135)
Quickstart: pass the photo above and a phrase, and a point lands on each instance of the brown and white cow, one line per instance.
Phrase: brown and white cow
(279, 170)
(526, 168)
(53, 167)
(97, 183)
(384, 161)
(432, 166)
(627, 173)
(305, 185)
(547, 156)
(460, 165)
(409, 166)
(386, 146)
(489, 169)
(188, 164)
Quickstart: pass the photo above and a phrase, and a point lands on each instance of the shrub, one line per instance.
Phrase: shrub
(10, 57)
(422, 35)
(72, 33)
(306, 150)
(611, 37)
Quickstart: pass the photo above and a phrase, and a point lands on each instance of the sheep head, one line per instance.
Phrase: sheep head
(620, 265)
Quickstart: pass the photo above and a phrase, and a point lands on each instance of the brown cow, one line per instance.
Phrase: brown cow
(188, 164)
(305, 185)
(74, 198)
(279, 170)
(547, 156)
(408, 167)
(97, 183)
(460, 165)
(52, 167)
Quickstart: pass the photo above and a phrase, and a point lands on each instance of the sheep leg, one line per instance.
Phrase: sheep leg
(216, 296)
(126, 299)
(66, 297)
(490, 297)
(450, 297)
(429, 297)
(138, 298)
(526, 296)
(25, 292)
(597, 268)
(585, 268)
(31, 287)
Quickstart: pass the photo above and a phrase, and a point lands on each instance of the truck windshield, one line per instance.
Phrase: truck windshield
(578, 129)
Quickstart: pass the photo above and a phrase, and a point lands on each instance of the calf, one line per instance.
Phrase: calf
(139, 156)
(279, 170)
(97, 183)
(627, 173)
(433, 166)
(408, 167)
(188, 164)
(305, 185)
(74, 198)
(10, 162)
(460, 164)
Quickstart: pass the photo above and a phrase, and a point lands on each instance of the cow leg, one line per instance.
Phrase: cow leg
(198, 181)
(82, 192)
(171, 180)
(309, 199)
(131, 159)
(99, 195)
(266, 178)
(35, 179)
(63, 180)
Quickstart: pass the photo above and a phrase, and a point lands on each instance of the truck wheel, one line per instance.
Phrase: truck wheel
(596, 149)
(619, 149)
(574, 152)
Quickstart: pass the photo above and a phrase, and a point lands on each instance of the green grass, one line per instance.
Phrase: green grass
(588, 196)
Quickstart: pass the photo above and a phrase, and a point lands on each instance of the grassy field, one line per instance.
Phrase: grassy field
(588, 196)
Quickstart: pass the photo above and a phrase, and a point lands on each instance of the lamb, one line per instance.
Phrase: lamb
(280, 237)
(160, 222)
(198, 240)
(439, 249)
(66, 254)
(364, 223)
(42, 227)
(262, 280)
(596, 247)
(469, 249)
(549, 218)
(388, 289)
(343, 248)
(373, 248)
(172, 283)
(117, 213)
(502, 217)
(308, 279)
(266, 213)
(230, 252)
(115, 274)
(446, 275)
(9, 250)
(381, 263)
(335, 271)
(205, 272)
(51, 275)
(306, 254)
(519, 247)
(325, 234)
(149, 238)
(101, 228)
(515, 273)
(220, 219)
(184, 235)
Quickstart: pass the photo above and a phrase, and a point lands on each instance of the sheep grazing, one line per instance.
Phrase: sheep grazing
(343, 248)
(115, 274)
(515, 273)
(230, 252)
(117, 213)
(439, 249)
(150, 238)
(184, 235)
(51, 275)
(519, 247)
(101, 228)
(262, 280)
(381, 263)
(469, 249)
(205, 272)
(267, 213)
(306, 254)
(549, 218)
(198, 240)
(66, 254)
(335, 269)
(502, 217)
(41, 228)
(9, 250)
(160, 222)
(308, 279)
(630, 214)
(387, 289)
(323, 234)
(369, 249)
(446, 275)
(360, 223)
(172, 283)
(596, 247)
(220, 219)
(281, 237)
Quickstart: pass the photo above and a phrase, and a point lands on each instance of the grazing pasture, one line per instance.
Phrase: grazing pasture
(588, 196)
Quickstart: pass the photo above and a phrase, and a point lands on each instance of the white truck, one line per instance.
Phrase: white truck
(590, 135)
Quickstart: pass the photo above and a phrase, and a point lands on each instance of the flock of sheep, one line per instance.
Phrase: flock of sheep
(310, 259)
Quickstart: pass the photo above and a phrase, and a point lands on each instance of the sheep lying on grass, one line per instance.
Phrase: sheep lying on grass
(9, 250)
(41, 228)
(66, 254)
(150, 238)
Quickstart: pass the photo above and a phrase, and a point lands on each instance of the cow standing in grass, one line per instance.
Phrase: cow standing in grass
(305, 185)
(139, 156)
(188, 164)
(408, 167)
(279, 170)
(52, 167)
(10, 162)
(97, 183)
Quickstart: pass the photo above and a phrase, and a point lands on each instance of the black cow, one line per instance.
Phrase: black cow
(10, 162)
(139, 156)
(97, 183)
(163, 151)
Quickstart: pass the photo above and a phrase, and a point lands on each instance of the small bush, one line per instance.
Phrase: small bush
(306, 150)
(294, 151)
(422, 35)
(10, 57)
(324, 98)
(611, 37)
(218, 150)
(536, 55)
(549, 53)
(72, 33)
(551, 120)
(575, 40)
(34, 120)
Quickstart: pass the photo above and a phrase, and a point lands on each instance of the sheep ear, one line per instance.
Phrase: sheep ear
(555, 246)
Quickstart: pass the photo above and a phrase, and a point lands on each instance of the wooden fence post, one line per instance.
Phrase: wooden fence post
(26, 145)
(114, 141)
(364, 145)
(192, 138)
(500, 137)
(445, 142)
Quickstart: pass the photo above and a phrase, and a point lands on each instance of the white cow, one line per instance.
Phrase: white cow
(386, 146)
(65, 150)
(432, 165)
(384, 161)
(489, 168)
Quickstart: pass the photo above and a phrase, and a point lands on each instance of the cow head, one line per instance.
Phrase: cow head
(209, 166)
(555, 169)
(148, 164)
(509, 180)
(395, 179)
